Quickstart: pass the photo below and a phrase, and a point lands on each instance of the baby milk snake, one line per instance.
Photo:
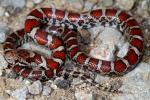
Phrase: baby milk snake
(63, 37)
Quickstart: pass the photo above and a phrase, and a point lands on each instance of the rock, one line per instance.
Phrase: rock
(125, 4)
(136, 84)
(46, 90)
(105, 43)
(123, 50)
(2, 85)
(75, 5)
(3, 63)
(20, 94)
(30, 4)
(107, 2)
(85, 96)
(143, 8)
(3, 30)
(2, 10)
(37, 1)
(62, 83)
(15, 3)
(88, 5)
(35, 88)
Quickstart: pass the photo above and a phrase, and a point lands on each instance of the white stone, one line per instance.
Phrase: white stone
(46, 90)
(85, 96)
(2, 10)
(20, 94)
(125, 4)
(30, 4)
(75, 5)
(3, 30)
(136, 84)
(107, 2)
(35, 88)
(15, 3)
(37, 1)
(88, 5)
(37, 48)
(3, 62)
(106, 43)
(123, 50)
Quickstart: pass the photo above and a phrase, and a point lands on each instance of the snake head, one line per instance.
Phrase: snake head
(11, 57)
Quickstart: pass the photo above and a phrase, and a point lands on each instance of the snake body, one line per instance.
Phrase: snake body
(37, 27)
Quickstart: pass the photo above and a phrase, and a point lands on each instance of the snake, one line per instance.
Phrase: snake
(37, 27)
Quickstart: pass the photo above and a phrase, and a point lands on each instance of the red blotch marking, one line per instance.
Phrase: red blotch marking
(41, 37)
(37, 58)
(138, 44)
(59, 14)
(49, 73)
(30, 24)
(71, 34)
(71, 42)
(10, 40)
(25, 72)
(81, 58)
(132, 57)
(93, 63)
(21, 32)
(123, 16)
(119, 66)
(23, 54)
(14, 36)
(96, 13)
(36, 13)
(73, 16)
(110, 12)
(105, 67)
(73, 51)
(66, 30)
(56, 42)
(136, 31)
(8, 46)
(17, 68)
(60, 55)
(52, 64)
(132, 22)
(47, 11)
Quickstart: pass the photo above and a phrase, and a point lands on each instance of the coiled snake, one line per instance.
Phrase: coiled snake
(63, 22)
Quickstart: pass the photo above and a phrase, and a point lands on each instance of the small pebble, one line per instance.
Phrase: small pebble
(75, 5)
(7, 14)
(85, 96)
(35, 88)
(3, 30)
(2, 10)
(88, 5)
(30, 4)
(3, 62)
(125, 4)
(15, 3)
(61, 83)
(46, 90)
(107, 3)
(20, 94)
(37, 1)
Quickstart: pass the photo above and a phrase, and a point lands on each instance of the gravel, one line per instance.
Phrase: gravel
(15, 3)
(135, 84)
